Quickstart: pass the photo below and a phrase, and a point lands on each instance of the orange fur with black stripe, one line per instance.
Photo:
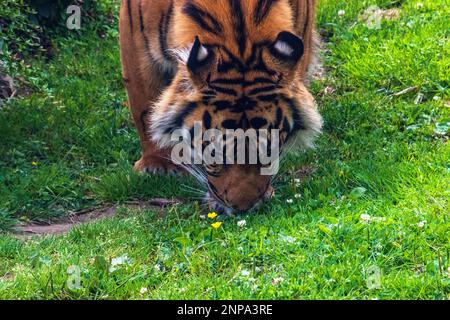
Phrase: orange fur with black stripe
(232, 65)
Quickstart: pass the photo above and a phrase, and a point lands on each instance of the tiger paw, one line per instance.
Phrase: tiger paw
(156, 165)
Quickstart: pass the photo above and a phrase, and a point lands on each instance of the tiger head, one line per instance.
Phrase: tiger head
(236, 71)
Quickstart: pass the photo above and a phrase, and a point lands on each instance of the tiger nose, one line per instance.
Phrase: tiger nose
(243, 196)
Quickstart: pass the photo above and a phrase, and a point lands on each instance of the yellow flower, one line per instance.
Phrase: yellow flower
(212, 215)
(216, 225)
(34, 164)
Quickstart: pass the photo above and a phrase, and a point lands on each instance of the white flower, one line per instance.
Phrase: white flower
(143, 290)
(242, 223)
(202, 216)
(365, 218)
(436, 98)
(419, 5)
(277, 281)
(245, 273)
(298, 196)
(341, 13)
(289, 201)
(157, 268)
(421, 224)
(297, 181)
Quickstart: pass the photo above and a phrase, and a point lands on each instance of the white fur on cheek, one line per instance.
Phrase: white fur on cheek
(312, 120)
(159, 122)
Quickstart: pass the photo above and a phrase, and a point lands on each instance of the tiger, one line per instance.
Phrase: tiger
(229, 64)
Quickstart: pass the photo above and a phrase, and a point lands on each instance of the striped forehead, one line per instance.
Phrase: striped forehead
(234, 24)
(281, 113)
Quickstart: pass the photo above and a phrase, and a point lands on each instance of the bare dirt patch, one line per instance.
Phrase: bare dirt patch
(65, 224)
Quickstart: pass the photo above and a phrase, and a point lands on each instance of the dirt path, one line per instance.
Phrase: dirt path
(65, 224)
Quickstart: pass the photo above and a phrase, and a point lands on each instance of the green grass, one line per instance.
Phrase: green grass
(70, 145)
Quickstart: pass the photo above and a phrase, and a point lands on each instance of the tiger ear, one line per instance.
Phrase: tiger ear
(287, 48)
(199, 57)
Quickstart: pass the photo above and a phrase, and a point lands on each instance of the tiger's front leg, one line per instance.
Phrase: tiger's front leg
(143, 82)
(153, 159)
